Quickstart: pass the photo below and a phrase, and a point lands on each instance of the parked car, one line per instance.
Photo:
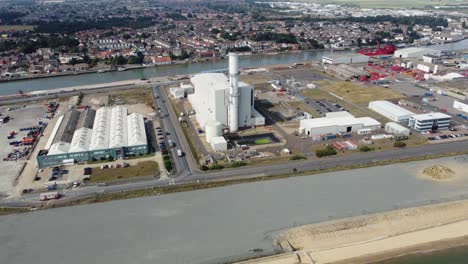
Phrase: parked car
(87, 171)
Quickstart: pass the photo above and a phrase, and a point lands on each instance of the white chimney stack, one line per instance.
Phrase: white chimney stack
(233, 92)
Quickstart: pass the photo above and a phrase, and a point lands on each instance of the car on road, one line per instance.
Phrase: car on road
(180, 153)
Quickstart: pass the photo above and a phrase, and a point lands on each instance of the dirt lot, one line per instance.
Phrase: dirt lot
(131, 97)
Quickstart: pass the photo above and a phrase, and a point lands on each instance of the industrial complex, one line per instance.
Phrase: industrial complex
(186, 125)
(108, 133)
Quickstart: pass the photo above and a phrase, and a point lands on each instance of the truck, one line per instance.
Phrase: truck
(179, 153)
(49, 196)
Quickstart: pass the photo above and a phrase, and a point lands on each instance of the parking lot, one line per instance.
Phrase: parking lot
(21, 117)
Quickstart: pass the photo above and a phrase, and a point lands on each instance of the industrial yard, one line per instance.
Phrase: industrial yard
(58, 143)
(227, 120)
(312, 108)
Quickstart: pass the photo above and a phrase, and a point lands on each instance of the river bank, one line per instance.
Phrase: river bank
(375, 238)
(136, 67)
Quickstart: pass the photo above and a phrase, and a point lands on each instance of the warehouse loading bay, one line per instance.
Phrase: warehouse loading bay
(30, 127)
(284, 95)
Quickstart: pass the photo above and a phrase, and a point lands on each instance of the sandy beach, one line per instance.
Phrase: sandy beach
(370, 238)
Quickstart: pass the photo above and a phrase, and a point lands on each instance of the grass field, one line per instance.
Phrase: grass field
(262, 141)
(359, 94)
(389, 4)
(144, 168)
(16, 27)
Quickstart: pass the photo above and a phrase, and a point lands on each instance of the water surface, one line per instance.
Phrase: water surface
(213, 225)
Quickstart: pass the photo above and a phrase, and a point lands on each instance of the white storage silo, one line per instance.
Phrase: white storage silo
(213, 129)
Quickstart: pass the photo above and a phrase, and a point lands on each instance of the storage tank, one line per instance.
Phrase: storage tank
(213, 129)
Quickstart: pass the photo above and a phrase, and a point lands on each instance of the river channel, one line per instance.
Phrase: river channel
(215, 65)
(214, 225)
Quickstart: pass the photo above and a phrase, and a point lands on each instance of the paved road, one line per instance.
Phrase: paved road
(264, 170)
(167, 122)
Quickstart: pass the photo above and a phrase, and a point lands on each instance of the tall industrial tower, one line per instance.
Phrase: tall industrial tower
(233, 92)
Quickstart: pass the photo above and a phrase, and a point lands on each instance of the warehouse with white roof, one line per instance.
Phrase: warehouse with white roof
(339, 122)
(391, 111)
(112, 135)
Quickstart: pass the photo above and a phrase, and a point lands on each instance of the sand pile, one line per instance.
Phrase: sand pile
(439, 172)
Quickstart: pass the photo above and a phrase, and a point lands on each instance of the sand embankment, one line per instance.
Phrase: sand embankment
(378, 236)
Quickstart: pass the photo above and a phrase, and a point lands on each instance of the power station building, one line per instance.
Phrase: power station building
(109, 133)
(227, 101)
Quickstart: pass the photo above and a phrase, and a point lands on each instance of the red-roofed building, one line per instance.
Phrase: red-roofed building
(162, 60)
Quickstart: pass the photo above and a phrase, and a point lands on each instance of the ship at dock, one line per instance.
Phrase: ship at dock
(379, 51)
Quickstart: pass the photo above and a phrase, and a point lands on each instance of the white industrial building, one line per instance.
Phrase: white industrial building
(397, 129)
(391, 111)
(101, 129)
(218, 144)
(59, 148)
(345, 58)
(224, 100)
(341, 122)
(114, 134)
(415, 52)
(182, 91)
(118, 127)
(136, 130)
(81, 140)
(430, 121)
(462, 106)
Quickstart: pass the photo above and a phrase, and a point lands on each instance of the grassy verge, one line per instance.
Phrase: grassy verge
(143, 168)
(12, 210)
